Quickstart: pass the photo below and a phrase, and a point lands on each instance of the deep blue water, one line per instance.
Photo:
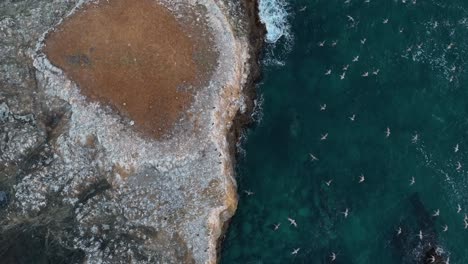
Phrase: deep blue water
(420, 94)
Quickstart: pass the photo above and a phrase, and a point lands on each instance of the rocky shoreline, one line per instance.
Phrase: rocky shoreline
(256, 36)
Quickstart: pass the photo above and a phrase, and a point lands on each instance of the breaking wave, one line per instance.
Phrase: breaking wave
(274, 14)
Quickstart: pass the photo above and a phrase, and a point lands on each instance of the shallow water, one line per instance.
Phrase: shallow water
(417, 91)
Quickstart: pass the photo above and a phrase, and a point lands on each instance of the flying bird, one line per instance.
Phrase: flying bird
(445, 228)
(361, 178)
(295, 251)
(399, 231)
(249, 193)
(342, 76)
(345, 213)
(312, 157)
(292, 222)
(324, 137)
(387, 132)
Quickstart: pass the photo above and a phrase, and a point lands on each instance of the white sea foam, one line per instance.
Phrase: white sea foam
(274, 14)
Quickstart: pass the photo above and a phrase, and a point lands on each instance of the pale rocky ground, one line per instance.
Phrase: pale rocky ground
(77, 177)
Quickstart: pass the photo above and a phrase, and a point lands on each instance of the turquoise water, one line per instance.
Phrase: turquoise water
(419, 90)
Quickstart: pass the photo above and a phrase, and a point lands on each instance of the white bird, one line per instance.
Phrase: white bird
(399, 231)
(345, 213)
(295, 251)
(385, 21)
(412, 181)
(456, 148)
(361, 178)
(312, 157)
(355, 59)
(432, 259)
(248, 192)
(450, 46)
(436, 213)
(353, 117)
(328, 72)
(333, 256)
(453, 68)
(365, 74)
(445, 228)
(303, 9)
(342, 76)
(363, 41)
(324, 137)
(447, 261)
(334, 43)
(292, 222)
(276, 226)
(350, 18)
(419, 46)
(376, 72)
(401, 30)
(459, 209)
(415, 139)
(321, 44)
(328, 182)
(466, 224)
(323, 107)
(345, 68)
(420, 235)
(459, 166)
(387, 132)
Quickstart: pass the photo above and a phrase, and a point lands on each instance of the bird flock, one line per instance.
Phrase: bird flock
(342, 73)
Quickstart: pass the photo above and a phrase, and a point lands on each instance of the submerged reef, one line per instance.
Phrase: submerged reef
(118, 127)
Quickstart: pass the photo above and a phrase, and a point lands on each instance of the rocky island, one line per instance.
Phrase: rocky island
(118, 127)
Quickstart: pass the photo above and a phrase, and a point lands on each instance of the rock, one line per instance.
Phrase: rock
(95, 187)
(3, 199)
(4, 112)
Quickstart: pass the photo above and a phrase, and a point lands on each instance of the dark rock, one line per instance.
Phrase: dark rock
(3, 198)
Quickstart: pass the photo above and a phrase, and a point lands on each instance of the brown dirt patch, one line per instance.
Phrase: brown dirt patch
(136, 57)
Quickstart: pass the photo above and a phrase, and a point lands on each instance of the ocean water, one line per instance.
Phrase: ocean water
(419, 92)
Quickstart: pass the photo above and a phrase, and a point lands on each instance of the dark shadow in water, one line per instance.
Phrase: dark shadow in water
(408, 246)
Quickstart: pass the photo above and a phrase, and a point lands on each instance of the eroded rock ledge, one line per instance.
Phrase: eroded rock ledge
(83, 171)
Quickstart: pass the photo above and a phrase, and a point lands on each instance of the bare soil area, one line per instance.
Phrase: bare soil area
(136, 57)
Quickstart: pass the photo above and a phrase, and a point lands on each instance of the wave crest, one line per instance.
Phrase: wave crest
(274, 14)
